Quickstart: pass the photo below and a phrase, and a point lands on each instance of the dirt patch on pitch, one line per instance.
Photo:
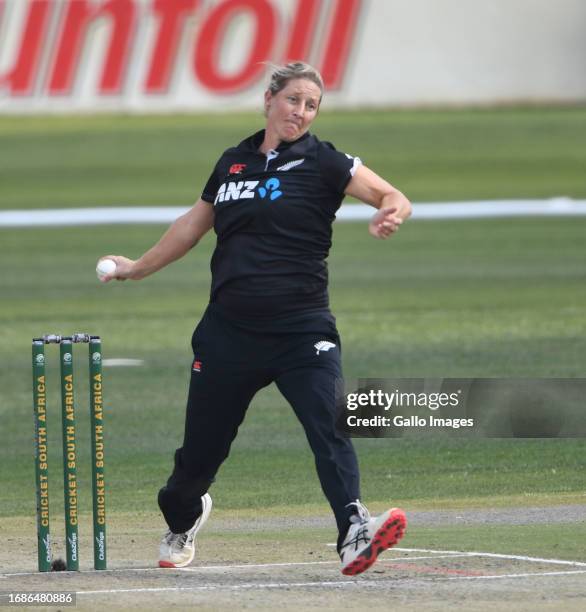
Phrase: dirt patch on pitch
(407, 580)
(287, 563)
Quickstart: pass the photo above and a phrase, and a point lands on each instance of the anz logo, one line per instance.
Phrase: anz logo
(246, 190)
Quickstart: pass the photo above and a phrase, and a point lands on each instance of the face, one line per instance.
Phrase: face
(291, 111)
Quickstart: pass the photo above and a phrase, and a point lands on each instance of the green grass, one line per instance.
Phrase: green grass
(441, 299)
(451, 299)
(555, 541)
(430, 155)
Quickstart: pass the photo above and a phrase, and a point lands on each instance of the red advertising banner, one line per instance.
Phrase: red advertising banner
(207, 55)
(53, 37)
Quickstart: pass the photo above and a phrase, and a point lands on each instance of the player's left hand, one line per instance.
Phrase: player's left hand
(384, 223)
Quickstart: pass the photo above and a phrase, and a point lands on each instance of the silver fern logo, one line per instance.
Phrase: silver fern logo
(291, 164)
(323, 345)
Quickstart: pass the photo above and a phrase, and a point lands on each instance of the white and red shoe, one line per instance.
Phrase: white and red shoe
(368, 537)
(178, 549)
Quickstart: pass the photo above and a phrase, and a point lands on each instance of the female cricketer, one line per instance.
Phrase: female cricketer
(271, 201)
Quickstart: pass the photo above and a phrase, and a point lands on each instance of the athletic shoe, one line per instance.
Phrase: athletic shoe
(178, 549)
(368, 537)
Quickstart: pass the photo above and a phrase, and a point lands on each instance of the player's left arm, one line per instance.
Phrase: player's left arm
(393, 207)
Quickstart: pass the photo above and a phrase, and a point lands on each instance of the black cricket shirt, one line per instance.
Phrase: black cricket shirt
(273, 221)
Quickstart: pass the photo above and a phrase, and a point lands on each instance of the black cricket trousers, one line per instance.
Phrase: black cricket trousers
(230, 365)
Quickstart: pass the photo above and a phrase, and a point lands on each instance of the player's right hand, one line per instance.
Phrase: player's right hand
(125, 268)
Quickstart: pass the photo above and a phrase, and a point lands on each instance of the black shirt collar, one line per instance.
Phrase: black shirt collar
(252, 143)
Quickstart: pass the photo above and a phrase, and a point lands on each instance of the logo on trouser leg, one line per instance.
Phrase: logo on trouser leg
(196, 367)
(323, 345)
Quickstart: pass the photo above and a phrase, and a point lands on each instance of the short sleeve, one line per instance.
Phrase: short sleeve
(336, 168)
(211, 187)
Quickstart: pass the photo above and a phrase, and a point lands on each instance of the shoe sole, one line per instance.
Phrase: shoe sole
(387, 535)
(207, 508)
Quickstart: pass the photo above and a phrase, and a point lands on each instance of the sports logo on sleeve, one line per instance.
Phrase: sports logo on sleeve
(356, 163)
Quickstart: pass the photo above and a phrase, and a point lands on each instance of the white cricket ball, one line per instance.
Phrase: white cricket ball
(105, 267)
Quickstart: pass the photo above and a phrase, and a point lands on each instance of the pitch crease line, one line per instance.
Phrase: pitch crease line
(256, 565)
(333, 583)
(495, 556)
(229, 567)
(527, 575)
(436, 555)
(234, 587)
(178, 569)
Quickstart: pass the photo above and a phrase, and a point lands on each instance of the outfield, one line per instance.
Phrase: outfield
(431, 155)
(441, 299)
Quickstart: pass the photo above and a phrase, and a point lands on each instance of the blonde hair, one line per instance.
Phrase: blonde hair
(294, 70)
